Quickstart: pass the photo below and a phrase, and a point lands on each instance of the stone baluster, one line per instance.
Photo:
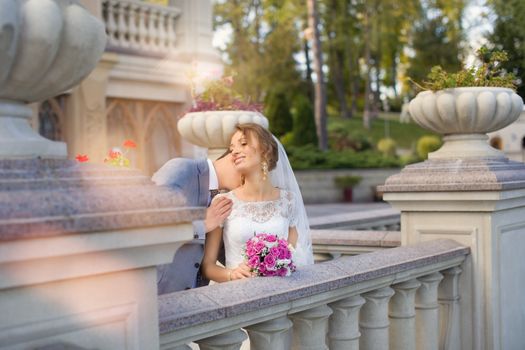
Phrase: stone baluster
(231, 340)
(132, 26)
(343, 331)
(162, 32)
(402, 316)
(122, 25)
(171, 36)
(152, 30)
(111, 24)
(427, 312)
(143, 31)
(309, 328)
(373, 320)
(448, 296)
(270, 335)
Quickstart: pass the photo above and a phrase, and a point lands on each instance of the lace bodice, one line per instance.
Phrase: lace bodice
(249, 218)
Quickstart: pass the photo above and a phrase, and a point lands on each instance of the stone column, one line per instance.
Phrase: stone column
(402, 316)
(86, 127)
(374, 320)
(448, 296)
(471, 192)
(309, 328)
(194, 30)
(270, 335)
(481, 204)
(427, 312)
(343, 333)
(231, 340)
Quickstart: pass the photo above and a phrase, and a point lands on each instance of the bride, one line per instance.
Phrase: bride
(268, 201)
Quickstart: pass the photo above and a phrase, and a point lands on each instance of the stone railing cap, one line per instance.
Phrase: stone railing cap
(443, 175)
(186, 308)
(42, 198)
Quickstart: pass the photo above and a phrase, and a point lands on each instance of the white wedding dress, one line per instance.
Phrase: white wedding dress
(250, 218)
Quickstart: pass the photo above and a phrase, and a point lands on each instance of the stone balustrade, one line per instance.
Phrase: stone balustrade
(385, 299)
(387, 219)
(139, 27)
(331, 244)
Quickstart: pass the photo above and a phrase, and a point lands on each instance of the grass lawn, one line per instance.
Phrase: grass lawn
(405, 134)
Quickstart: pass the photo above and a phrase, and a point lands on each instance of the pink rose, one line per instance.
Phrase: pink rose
(275, 251)
(284, 253)
(259, 246)
(269, 262)
(251, 251)
(253, 261)
(271, 238)
(282, 272)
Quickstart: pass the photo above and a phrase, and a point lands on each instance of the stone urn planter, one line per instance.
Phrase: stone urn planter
(46, 47)
(214, 129)
(464, 116)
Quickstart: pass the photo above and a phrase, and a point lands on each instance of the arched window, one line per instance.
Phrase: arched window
(51, 117)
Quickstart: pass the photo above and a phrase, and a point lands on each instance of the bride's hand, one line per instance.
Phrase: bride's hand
(241, 271)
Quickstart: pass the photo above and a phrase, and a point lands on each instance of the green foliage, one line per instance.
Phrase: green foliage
(347, 181)
(427, 144)
(304, 130)
(387, 147)
(278, 113)
(489, 73)
(309, 157)
(342, 136)
(287, 139)
(264, 39)
(509, 34)
(436, 38)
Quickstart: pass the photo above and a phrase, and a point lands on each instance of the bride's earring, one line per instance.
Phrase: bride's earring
(264, 166)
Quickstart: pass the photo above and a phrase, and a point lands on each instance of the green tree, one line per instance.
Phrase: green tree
(277, 111)
(509, 35)
(437, 38)
(304, 131)
(264, 39)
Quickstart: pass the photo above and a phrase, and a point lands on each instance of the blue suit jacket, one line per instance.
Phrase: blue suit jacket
(191, 178)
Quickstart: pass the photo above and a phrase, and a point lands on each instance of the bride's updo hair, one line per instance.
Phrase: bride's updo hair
(266, 142)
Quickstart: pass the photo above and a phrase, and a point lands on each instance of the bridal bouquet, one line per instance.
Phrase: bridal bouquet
(268, 255)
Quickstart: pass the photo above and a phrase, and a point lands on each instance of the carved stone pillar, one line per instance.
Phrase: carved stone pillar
(427, 312)
(448, 296)
(231, 340)
(86, 129)
(402, 316)
(309, 328)
(343, 331)
(270, 335)
(374, 319)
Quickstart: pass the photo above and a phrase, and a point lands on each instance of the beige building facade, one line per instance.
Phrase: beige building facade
(140, 88)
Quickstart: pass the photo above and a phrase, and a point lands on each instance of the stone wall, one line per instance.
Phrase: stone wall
(317, 186)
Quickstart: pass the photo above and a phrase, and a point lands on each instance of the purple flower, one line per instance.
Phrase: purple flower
(259, 246)
(269, 261)
(271, 238)
(253, 261)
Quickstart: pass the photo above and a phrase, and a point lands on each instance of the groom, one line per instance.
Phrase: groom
(197, 180)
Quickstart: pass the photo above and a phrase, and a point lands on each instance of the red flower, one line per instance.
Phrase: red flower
(114, 154)
(81, 158)
(129, 144)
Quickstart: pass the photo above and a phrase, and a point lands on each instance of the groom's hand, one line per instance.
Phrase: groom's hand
(217, 212)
